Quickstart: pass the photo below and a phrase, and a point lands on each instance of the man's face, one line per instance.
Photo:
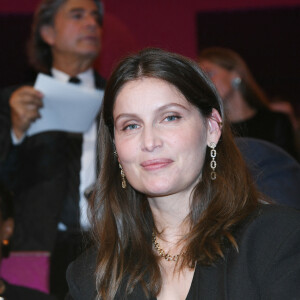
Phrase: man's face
(76, 30)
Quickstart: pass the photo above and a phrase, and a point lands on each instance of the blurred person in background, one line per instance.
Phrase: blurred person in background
(53, 169)
(245, 103)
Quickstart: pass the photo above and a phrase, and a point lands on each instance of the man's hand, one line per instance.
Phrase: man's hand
(24, 103)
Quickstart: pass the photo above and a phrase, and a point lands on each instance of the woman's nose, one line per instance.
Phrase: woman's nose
(151, 139)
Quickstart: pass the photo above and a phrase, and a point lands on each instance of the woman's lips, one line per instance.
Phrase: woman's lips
(156, 164)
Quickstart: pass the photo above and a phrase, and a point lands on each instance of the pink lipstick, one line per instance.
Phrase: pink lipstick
(155, 164)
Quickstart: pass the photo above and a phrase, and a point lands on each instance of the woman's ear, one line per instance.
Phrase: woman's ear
(214, 128)
(48, 34)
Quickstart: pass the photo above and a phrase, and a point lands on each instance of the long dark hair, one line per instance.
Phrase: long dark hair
(39, 52)
(122, 219)
(232, 61)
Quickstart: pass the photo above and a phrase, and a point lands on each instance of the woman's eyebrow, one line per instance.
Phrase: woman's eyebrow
(126, 115)
(161, 108)
(171, 105)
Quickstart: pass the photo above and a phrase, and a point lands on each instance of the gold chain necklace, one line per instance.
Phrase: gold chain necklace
(162, 252)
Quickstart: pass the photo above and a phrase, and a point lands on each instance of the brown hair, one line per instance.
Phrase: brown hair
(39, 52)
(232, 61)
(122, 220)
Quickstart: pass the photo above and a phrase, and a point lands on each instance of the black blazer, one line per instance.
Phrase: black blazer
(267, 266)
(37, 172)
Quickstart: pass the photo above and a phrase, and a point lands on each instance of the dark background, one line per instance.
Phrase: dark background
(268, 40)
(14, 32)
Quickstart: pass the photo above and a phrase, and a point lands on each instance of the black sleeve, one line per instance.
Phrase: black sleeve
(74, 292)
(282, 278)
(80, 277)
(68, 297)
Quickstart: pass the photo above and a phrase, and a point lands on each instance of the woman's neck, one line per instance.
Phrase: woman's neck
(170, 217)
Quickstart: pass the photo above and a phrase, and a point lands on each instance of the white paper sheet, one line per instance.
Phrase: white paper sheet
(67, 107)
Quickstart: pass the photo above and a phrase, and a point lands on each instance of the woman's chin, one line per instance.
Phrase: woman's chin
(158, 191)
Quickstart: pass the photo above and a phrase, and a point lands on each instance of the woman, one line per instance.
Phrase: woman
(9, 291)
(246, 105)
(175, 213)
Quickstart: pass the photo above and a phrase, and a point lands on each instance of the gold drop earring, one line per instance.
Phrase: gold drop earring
(123, 177)
(213, 163)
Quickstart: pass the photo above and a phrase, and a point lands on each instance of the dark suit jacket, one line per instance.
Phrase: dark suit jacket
(267, 266)
(39, 171)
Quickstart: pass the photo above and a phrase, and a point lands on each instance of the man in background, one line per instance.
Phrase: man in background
(53, 169)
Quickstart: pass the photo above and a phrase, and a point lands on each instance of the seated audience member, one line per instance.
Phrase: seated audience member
(245, 103)
(10, 291)
(175, 213)
(54, 168)
(281, 105)
(276, 173)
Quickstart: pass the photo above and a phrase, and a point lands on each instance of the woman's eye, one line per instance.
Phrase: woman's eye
(172, 118)
(130, 127)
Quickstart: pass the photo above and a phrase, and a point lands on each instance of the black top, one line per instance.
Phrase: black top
(266, 266)
(274, 127)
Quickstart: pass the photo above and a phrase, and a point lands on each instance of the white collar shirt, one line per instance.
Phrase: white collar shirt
(88, 157)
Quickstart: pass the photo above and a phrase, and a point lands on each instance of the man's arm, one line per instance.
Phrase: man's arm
(19, 107)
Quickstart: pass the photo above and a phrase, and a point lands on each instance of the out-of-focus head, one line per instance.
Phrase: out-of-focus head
(6, 216)
(149, 88)
(229, 72)
(71, 27)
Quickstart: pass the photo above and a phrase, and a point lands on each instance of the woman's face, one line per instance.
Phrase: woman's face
(221, 78)
(160, 137)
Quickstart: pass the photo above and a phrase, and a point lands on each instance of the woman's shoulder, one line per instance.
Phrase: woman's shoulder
(273, 220)
(86, 260)
(81, 275)
(267, 261)
(267, 211)
(270, 235)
